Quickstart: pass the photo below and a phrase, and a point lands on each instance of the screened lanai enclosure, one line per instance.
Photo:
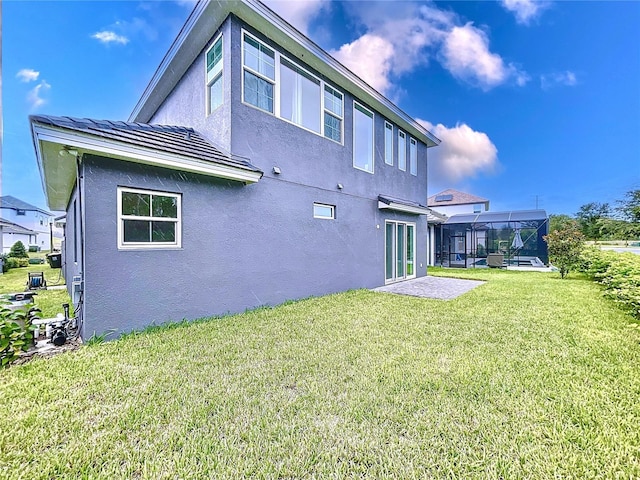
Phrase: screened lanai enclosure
(493, 239)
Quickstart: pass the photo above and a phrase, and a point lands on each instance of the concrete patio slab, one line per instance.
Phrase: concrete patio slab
(431, 287)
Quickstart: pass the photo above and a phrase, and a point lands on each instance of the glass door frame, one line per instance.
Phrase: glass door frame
(408, 230)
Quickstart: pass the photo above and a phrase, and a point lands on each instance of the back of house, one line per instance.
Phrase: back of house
(254, 169)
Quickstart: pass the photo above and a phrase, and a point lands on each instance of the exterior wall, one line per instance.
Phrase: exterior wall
(72, 248)
(187, 103)
(8, 239)
(242, 247)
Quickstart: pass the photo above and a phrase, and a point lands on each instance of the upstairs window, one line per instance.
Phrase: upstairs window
(388, 143)
(413, 156)
(321, 210)
(259, 74)
(148, 219)
(214, 75)
(21, 212)
(362, 138)
(333, 102)
(402, 151)
(300, 96)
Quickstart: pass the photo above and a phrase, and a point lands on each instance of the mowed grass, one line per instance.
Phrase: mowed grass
(527, 376)
(49, 301)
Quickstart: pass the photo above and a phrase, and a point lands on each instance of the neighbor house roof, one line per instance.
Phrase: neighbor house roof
(7, 201)
(454, 197)
(10, 227)
(206, 18)
(59, 140)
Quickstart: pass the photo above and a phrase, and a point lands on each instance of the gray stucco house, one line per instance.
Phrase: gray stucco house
(254, 169)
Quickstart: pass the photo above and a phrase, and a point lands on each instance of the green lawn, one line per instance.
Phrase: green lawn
(527, 376)
(49, 301)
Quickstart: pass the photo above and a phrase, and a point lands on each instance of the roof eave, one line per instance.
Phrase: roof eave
(58, 173)
(207, 16)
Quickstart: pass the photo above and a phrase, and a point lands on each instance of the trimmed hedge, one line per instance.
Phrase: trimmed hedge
(619, 273)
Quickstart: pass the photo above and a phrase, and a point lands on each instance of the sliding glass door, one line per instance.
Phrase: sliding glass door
(399, 251)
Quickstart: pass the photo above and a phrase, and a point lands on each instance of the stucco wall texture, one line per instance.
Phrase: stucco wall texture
(243, 246)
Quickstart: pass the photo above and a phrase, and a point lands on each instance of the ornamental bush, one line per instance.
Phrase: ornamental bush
(18, 250)
(16, 334)
(618, 273)
(565, 245)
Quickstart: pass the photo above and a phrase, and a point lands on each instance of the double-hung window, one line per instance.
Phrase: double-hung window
(333, 101)
(388, 143)
(402, 151)
(214, 75)
(300, 98)
(362, 138)
(148, 219)
(259, 74)
(413, 156)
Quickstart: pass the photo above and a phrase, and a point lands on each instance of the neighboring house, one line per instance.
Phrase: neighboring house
(453, 202)
(29, 217)
(254, 169)
(13, 233)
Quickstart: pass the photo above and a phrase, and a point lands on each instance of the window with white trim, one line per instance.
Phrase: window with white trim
(259, 74)
(333, 107)
(402, 151)
(321, 210)
(388, 143)
(214, 75)
(300, 98)
(363, 138)
(413, 156)
(148, 219)
(276, 84)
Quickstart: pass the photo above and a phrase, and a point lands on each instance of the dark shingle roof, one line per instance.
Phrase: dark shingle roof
(7, 201)
(10, 227)
(183, 141)
(453, 197)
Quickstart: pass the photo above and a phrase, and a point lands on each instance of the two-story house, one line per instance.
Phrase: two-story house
(254, 169)
(32, 225)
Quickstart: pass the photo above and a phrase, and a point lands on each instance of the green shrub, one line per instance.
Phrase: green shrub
(16, 334)
(18, 250)
(619, 274)
(34, 248)
(12, 262)
(565, 245)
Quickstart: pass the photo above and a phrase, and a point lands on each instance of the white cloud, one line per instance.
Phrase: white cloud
(463, 153)
(401, 36)
(27, 75)
(525, 10)
(107, 36)
(466, 55)
(566, 79)
(370, 57)
(298, 13)
(35, 97)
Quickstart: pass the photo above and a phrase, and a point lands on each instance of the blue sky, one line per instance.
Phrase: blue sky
(535, 103)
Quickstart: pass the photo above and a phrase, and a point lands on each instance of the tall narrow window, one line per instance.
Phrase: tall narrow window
(332, 114)
(362, 138)
(259, 74)
(148, 219)
(388, 143)
(402, 151)
(300, 98)
(413, 156)
(214, 75)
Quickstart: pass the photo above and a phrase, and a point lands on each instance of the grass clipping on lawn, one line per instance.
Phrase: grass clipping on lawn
(527, 376)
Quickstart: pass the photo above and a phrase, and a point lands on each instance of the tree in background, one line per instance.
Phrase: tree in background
(18, 250)
(565, 246)
(588, 217)
(629, 207)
